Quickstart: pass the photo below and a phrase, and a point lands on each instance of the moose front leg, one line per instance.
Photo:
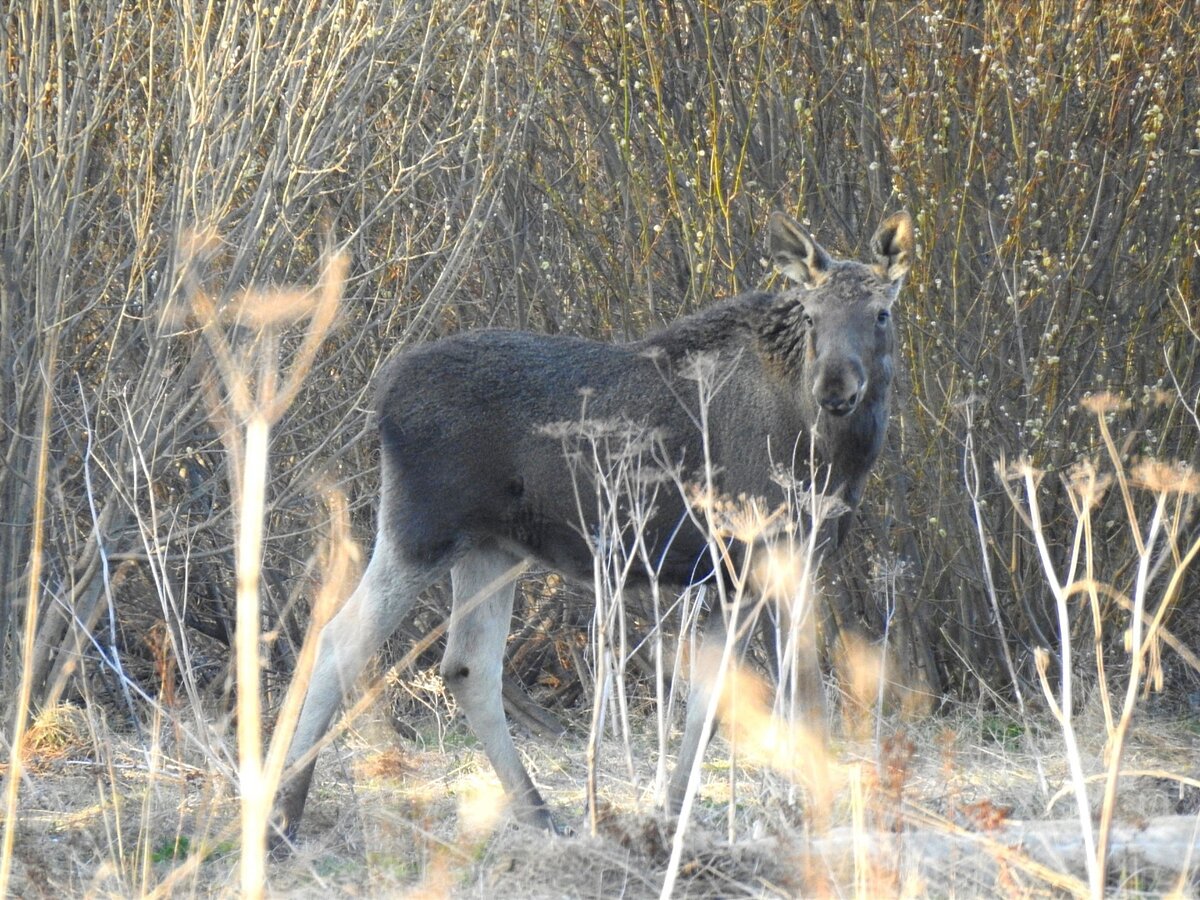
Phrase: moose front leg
(705, 679)
(801, 679)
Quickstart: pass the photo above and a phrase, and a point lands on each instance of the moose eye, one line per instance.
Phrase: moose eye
(882, 318)
(807, 319)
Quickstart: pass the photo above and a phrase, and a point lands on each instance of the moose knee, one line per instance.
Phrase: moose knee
(464, 677)
(455, 673)
(469, 679)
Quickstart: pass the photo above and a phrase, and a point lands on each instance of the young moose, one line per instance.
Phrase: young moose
(472, 483)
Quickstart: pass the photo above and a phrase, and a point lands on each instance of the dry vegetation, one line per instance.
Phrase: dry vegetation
(1025, 555)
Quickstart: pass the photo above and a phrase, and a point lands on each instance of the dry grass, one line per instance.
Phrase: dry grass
(388, 818)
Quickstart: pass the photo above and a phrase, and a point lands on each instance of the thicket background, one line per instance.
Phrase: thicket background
(590, 167)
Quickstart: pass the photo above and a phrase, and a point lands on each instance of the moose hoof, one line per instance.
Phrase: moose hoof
(558, 829)
(281, 838)
(279, 848)
(539, 817)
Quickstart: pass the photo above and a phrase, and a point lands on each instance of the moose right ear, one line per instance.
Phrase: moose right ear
(795, 253)
(893, 247)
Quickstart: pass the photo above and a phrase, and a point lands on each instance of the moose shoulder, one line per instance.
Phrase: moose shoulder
(472, 482)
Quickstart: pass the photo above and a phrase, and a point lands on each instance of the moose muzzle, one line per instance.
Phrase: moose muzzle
(840, 391)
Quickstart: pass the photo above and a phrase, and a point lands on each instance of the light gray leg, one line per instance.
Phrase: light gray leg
(386, 592)
(484, 586)
(701, 681)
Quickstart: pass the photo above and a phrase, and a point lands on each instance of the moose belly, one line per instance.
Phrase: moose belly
(667, 546)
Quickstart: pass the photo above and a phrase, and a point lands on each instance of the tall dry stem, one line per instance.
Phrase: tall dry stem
(1062, 703)
(254, 402)
(21, 708)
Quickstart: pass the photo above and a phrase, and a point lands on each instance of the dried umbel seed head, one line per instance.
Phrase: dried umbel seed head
(1020, 470)
(1104, 402)
(1173, 477)
(1088, 484)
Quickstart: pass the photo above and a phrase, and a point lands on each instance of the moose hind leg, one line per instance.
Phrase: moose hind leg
(484, 585)
(388, 588)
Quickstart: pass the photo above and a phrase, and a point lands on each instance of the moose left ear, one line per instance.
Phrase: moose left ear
(893, 247)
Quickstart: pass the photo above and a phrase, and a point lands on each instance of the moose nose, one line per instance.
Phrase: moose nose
(840, 405)
(841, 386)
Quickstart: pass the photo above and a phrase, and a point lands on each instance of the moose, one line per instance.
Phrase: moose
(472, 483)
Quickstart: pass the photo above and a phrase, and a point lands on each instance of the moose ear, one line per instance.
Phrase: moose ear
(795, 253)
(893, 247)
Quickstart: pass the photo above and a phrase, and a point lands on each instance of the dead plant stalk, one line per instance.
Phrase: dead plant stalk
(257, 406)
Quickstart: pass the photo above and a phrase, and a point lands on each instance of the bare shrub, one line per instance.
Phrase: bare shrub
(597, 168)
